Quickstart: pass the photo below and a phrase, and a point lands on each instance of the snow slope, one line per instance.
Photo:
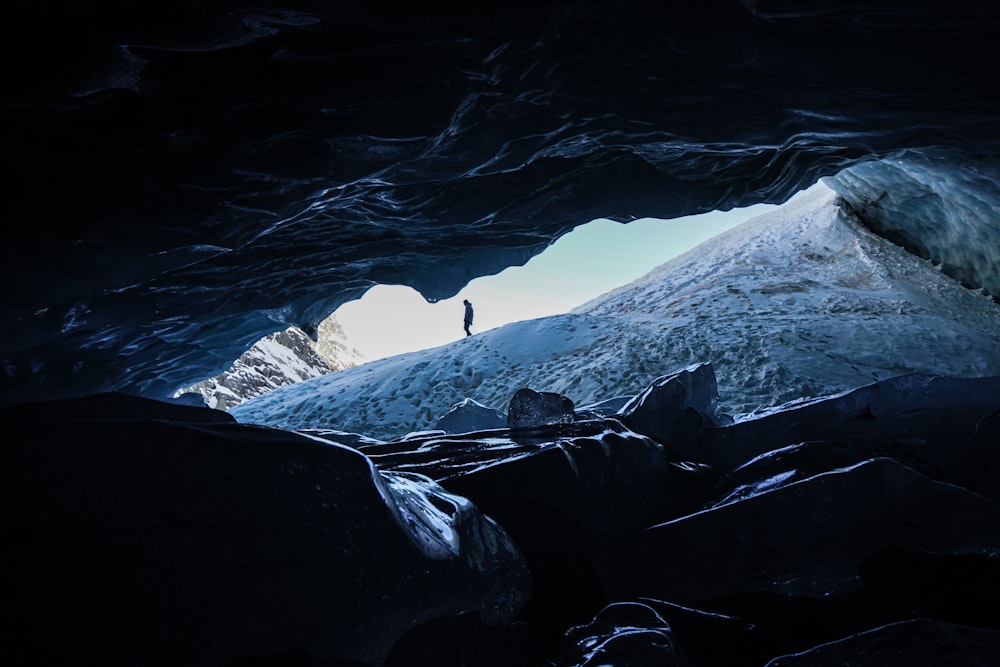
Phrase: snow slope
(799, 302)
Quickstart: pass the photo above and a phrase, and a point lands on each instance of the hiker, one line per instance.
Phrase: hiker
(468, 317)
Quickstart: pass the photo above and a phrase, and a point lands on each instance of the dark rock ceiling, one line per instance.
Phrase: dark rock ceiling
(182, 178)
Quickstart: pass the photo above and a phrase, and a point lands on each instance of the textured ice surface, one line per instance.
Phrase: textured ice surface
(939, 205)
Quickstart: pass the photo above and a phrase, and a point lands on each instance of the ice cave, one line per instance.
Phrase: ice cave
(779, 449)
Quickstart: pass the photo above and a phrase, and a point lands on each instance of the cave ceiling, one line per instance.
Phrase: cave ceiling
(182, 178)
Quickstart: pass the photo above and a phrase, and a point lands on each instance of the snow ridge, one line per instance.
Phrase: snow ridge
(281, 359)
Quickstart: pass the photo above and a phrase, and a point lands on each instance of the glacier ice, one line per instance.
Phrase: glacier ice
(940, 205)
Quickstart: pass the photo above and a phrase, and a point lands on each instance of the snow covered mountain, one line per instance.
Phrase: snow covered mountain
(334, 347)
(800, 302)
(278, 360)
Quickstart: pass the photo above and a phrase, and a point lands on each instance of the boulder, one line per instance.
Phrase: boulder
(712, 638)
(799, 462)
(529, 409)
(962, 588)
(676, 406)
(468, 416)
(911, 642)
(804, 538)
(138, 532)
(559, 491)
(943, 421)
(573, 491)
(561, 499)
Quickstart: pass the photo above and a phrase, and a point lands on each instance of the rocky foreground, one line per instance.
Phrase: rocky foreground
(859, 528)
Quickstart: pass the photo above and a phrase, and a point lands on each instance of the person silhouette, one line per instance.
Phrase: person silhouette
(468, 317)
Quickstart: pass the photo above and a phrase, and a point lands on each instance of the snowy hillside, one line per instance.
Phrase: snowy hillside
(799, 302)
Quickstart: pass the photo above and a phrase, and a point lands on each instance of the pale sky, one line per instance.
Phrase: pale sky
(589, 261)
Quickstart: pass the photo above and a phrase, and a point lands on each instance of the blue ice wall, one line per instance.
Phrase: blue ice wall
(937, 204)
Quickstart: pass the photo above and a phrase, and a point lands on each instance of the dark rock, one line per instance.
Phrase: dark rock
(529, 408)
(144, 533)
(465, 641)
(558, 493)
(469, 416)
(904, 644)
(962, 588)
(979, 468)
(441, 456)
(566, 494)
(114, 407)
(805, 538)
(787, 465)
(783, 624)
(568, 497)
(934, 418)
(294, 153)
(624, 633)
(676, 406)
(711, 638)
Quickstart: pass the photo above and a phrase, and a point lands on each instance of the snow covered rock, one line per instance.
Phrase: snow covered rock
(529, 408)
(674, 406)
(469, 416)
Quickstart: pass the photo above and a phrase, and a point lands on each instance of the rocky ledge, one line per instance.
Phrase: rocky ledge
(862, 527)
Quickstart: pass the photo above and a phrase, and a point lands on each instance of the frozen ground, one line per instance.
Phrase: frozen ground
(798, 302)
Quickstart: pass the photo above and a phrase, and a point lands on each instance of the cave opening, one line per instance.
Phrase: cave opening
(799, 301)
(592, 259)
(387, 320)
